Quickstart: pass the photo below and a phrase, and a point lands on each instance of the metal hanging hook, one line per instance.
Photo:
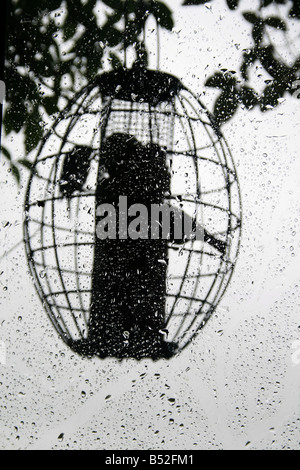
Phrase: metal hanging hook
(140, 46)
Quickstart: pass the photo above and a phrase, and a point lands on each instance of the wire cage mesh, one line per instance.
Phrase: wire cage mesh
(60, 231)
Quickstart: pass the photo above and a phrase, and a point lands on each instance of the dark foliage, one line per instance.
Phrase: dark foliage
(52, 49)
(236, 92)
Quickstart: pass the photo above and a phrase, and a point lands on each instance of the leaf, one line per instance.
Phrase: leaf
(295, 10)
(233, 4)
(50, 104)
(115, 60)
(70, 30)
(6, 153)
(265, 3)
(276, 23)
(25, 163)
(16, 173)
(249, 59)
(163, 15)
(113, 36)
(195, 2)
(33, 131)
(248, 97)
(258, 32)
(271, 95)
(258, 26)
(76, 166)
(274, 67)
(226, 106)
(221, 80)
(114, 4)
(251, 17)
(14, 118)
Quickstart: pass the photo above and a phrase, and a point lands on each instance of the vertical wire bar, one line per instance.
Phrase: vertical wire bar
(40, 290)
(76, 254)
(150, 123)
(71, 125)
(125, 33)
(158, 45)
(222, 261)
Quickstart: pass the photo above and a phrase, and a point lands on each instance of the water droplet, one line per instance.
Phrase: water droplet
(163, 261)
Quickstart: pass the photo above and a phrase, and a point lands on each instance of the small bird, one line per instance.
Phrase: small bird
(75, 169)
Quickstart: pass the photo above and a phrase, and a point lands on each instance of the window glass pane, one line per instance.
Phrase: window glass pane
(149, 221)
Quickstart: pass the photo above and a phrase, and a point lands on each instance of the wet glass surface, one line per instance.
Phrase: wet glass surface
(235, 384)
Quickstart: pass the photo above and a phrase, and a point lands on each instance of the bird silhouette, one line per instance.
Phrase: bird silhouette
(75, 169)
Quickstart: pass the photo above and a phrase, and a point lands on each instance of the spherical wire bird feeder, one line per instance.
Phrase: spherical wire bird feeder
(139, 134)
(99, 295)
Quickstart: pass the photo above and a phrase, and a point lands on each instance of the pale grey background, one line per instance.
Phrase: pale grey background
(237, 386)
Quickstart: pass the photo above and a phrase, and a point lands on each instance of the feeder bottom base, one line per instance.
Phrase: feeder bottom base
(139, 350)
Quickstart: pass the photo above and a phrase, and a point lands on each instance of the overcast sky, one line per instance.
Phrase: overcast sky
(239, 382)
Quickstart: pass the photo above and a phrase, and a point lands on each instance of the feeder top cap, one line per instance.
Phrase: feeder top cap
(139, 84)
